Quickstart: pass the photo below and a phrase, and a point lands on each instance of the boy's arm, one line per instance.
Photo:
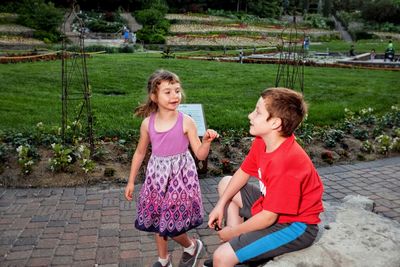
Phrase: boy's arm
(238, 180)
(261, 220)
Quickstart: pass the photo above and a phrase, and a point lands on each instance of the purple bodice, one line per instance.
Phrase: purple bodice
(170, 142)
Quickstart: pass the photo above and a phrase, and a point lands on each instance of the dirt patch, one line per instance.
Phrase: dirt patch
(113, 163)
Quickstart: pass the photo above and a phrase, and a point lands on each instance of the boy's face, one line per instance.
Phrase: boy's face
(259, 125)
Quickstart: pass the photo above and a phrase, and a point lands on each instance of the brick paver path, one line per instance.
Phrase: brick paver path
(93, 226)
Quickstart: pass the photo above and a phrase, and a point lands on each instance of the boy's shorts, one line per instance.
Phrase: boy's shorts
(275, 240)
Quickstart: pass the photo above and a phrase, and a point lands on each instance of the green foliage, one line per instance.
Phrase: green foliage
(3, 156)
(108, 22)
(383, 143)
(265, 9)
(62, 159)
(367, 147)
(27, 155)
(360, 134)
(155, 26)
(395, 145)
(381, 11)
(316, 21)
(44, 17)
(83, 154)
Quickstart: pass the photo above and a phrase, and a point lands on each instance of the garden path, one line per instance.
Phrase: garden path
(93, 226)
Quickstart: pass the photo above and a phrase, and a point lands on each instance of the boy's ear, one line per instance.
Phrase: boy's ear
(276, 123)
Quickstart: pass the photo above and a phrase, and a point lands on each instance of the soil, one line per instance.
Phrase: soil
(113, 163)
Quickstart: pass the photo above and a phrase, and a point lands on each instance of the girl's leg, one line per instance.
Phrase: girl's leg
(183, 240)
(162, 246)
(232, 210)
(225, 256)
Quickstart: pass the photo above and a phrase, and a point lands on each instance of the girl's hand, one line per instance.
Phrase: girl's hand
(129, 191)
(210, 135)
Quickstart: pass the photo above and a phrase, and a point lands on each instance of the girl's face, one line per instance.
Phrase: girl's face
(168, 96)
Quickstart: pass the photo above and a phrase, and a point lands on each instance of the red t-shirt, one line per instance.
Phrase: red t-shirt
(293, 186)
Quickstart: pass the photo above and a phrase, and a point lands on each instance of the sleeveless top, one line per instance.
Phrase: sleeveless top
(170, 142)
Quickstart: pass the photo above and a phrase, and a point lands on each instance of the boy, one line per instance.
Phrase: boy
(282, 215)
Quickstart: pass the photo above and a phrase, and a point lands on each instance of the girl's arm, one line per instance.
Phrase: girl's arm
(137, 158)
(200, 149)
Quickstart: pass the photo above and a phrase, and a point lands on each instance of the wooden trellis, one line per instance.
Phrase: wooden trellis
(75, 88)
(290, 72)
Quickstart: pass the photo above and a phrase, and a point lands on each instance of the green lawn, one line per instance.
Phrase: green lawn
(30, 92)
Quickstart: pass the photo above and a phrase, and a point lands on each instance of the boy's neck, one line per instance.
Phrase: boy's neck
(273, 141)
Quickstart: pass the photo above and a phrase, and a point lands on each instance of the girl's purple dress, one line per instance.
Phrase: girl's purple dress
(169, 201)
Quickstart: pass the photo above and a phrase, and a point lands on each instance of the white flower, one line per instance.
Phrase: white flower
(39, 125)
(19, 149)
(81, 148)
(69, 159)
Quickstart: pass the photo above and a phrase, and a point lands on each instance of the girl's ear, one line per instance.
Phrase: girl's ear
(153, 98)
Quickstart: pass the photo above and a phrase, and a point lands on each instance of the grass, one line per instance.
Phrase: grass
(30, 92)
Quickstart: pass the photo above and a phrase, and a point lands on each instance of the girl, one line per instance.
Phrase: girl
(169, 201)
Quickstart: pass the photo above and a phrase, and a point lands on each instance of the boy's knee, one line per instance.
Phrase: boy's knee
(223, 184)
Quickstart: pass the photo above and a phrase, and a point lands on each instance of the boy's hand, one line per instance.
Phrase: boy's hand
(129, 191)
(210, 135)
(226, 234)
(215, 218)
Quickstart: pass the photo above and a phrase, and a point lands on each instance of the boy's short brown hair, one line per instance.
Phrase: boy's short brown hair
(286, 104)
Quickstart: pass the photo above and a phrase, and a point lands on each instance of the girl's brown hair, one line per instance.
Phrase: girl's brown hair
(153, 82)
(286, 104)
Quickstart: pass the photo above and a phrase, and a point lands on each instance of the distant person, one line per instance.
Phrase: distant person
(306, 43)
(241, 57)
(389, 53)
(351, 52)
(126, 36)
(169, 203)
(390, 45)
(282, 214)
(372, 55)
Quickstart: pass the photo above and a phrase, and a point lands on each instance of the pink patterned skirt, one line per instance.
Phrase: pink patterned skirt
(169, 201)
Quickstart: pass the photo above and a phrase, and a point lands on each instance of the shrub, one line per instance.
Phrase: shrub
(383, 144)
(395, 146)
(63, 158)
(41, 16)
(360, 134)
(367, 147)
(27, 156)
(83, 155)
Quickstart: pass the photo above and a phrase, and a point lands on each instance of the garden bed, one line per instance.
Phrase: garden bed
(361, 137)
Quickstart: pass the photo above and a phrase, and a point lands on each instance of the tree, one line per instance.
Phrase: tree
(265, 8)
(381, 11)
(45, 18)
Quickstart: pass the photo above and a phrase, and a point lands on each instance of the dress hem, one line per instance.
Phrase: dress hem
(166, 233)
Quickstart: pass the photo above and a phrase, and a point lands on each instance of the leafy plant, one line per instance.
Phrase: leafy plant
(367, 147)
(62, 159)
(383, 144)
(83, 155)
(361, 134)
(395, 146)
(26, 158)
